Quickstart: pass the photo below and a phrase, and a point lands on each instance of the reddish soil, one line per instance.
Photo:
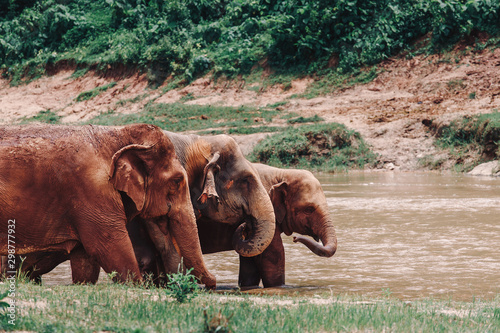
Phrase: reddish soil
(389, 112)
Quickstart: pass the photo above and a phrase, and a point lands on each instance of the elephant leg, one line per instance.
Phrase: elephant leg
(37, 264)
(268, 266)
(84, 269)
(113, 251)
(272, 263)
(249, 274)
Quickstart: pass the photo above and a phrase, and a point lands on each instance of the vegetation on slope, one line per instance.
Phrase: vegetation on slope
(180, 117)
(470, 140)
(321, 147)
(190, 37)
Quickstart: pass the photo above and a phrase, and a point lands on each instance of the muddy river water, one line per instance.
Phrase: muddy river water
(411, 235)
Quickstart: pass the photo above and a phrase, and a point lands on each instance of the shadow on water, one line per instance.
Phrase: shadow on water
(409, 235)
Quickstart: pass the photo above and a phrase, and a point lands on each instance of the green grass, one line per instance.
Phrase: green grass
(253, 130)
(121, 308)
(184, 117)
(470, 140)
(300, 120)
(320, 147)
(89, 94)
(47, 116)
(133, 100)
(329, 80)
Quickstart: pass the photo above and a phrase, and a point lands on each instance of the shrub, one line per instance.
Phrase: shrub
(480, 132)
(327, 147)
(182, 286)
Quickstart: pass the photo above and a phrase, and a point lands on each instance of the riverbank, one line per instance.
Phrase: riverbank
(393, 112)
(121, 308)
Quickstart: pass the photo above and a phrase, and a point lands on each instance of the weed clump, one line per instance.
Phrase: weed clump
(182, 286)
(321, 147)
(480, 132)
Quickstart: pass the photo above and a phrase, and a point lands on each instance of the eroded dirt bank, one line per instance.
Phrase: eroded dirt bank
(389, 112)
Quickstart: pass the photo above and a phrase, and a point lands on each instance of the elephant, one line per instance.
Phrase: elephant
(300, 206)
(73, 189)
(225, 189)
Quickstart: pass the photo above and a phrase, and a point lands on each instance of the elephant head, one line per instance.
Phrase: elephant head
(156, 188)
(226, 188)
(300, 206)
(151, 177)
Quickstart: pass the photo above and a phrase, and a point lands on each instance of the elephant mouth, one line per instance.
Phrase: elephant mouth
(286, 229)
(244, 228)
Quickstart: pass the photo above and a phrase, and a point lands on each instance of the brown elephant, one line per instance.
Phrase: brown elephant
(300, 206)
(73, 189)
(225, 189)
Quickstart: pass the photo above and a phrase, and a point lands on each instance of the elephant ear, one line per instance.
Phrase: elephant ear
(277, 193)
(209, 190)
(129, 171)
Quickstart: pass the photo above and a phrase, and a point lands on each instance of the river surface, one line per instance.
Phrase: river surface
(409, 235)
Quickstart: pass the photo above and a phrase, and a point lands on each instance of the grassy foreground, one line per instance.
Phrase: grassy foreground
(121, 308)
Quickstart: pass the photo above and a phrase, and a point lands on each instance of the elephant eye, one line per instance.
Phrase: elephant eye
(309, 209)
(244, 180)
(177, 181)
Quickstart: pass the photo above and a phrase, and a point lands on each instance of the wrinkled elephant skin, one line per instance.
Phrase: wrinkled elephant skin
(226, 188)
(300, 206)
(73, 190)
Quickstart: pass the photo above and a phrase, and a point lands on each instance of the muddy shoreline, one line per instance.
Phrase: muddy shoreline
(391, 112)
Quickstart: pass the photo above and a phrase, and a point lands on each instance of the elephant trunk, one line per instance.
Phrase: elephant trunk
(328, 238)
(251, 239)
(185, 238)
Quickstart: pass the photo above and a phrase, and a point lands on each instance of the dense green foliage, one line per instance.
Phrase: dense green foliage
(191, 37)
(325, 147)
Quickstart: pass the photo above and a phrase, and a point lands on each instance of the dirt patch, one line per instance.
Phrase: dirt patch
(389, 112)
